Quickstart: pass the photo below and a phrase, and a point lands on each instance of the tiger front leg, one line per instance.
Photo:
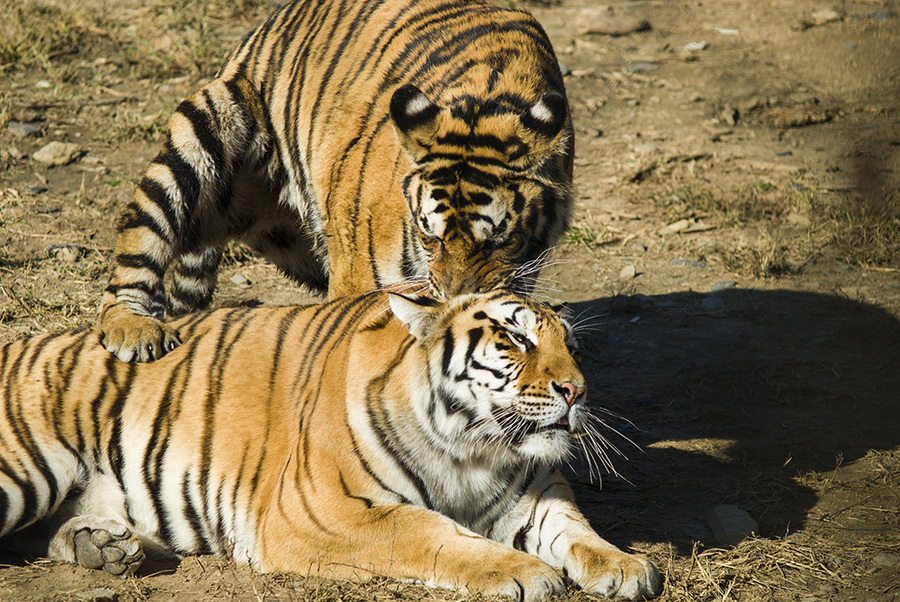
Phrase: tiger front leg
(408, 543)
(546, 522)
(177, 212)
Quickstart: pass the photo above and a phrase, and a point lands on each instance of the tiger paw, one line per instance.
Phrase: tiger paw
(525, 578)
(614, 574)
(134, 338)
(98, 543)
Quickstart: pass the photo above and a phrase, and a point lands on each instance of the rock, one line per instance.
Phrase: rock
(638, 247)
(886, 560)
(723, 285)
(712, 305)
(730, 115)
(12, 152)
(564, 69)
(688, 263)
(241, 280)
(798, 219)
(606, 22)
(24, 129)
(642, 67)
(646, 149)
(731, 525)
(36, 190)
(675, 227)
(57, 153)
(65, 252)
(825, 15)
(628, 272)
(695, 46)
(101, 594)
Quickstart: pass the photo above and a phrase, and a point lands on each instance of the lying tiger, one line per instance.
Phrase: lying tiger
(381, 435)
(355, 145)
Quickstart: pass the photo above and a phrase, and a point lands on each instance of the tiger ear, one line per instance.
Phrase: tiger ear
(544, 122)
(418, 313)
(416, 120)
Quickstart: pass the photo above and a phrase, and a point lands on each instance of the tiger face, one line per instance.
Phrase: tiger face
(485, 180)
(504, 375)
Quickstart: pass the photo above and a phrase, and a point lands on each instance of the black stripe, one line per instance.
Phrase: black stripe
(204, 131)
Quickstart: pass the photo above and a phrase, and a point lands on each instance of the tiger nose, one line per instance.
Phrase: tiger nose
(570, 391)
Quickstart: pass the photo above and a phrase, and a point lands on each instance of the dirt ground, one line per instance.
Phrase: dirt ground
(734, 266)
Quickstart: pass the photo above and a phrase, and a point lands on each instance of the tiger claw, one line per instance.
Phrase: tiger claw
(134, 338)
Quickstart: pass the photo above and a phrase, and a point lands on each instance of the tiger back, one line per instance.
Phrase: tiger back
(379, 435)
(356, 146)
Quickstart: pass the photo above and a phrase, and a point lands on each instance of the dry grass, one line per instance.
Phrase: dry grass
(867, 227)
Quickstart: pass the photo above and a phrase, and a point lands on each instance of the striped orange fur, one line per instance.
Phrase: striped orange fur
(378, 435)
(356, 145)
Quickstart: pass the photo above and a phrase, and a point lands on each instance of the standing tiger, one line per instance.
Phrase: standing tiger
(355, 145)
(378, 435)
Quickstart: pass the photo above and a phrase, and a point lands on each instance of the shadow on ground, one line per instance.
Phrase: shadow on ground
(731, 396)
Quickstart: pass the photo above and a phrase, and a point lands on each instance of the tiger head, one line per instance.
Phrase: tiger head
(489, 184)
(504, 376)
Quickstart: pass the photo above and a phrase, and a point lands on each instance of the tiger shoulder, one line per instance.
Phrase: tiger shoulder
(383, 435)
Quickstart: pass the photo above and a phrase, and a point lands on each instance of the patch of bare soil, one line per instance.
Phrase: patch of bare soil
(733, 267)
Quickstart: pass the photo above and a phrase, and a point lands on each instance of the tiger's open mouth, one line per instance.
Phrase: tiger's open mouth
(562, 424)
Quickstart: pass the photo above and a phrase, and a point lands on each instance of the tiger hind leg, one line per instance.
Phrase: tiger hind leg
(194, 281)
(97, 543)
(179, 205)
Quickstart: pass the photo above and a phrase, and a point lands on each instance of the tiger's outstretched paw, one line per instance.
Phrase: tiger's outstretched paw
(98, 543)
(523, 578)
(134, 338)
(615, 574)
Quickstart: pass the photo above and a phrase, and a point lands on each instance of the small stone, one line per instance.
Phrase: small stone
(731, 525)
(605, 22)
(688, 263)
(646, 149)
(712, 305)
(57, 153)
(825, 15)
(101, 594)
(675, 227)
(12, 152)
(884, 14)
(24, 129)
(241, 280)
(638, 247)
(799, 220)
(642, 67)
(695, 46)
(730, 115)
(564, 69)
(723, 285)
(36, 190)
(886, 560)
(628, 272)
(43, 84)
(65, 252)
